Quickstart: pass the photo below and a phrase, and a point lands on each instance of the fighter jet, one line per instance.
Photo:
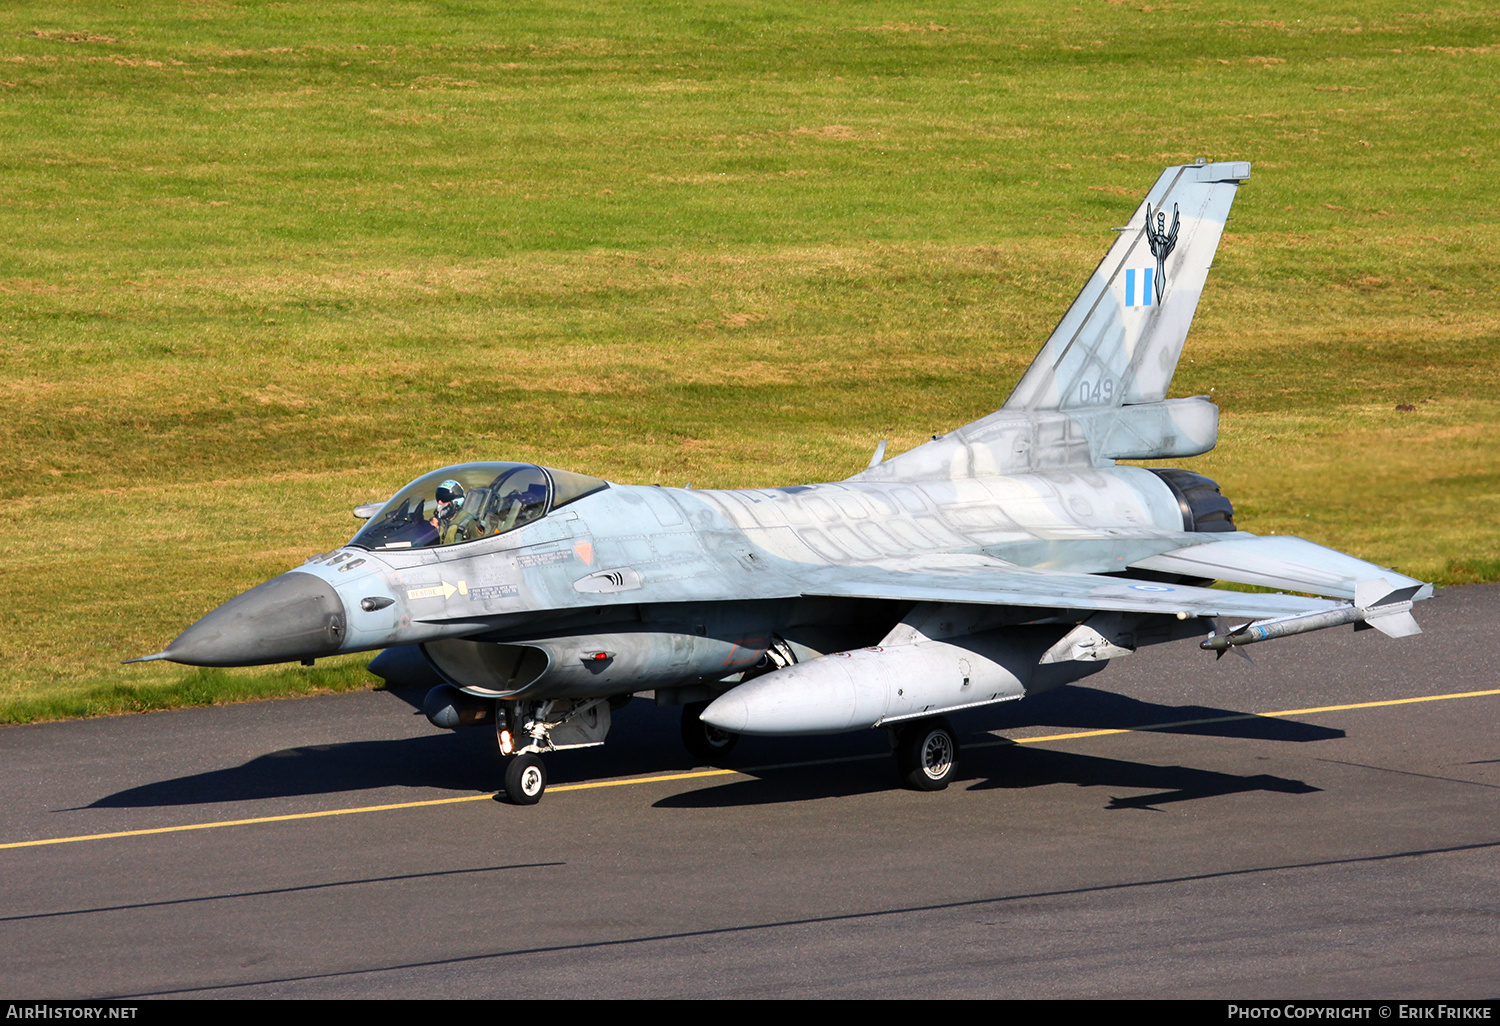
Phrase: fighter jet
(1002, 559)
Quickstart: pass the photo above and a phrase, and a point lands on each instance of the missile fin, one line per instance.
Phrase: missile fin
(1395, 625)
(1378, 592)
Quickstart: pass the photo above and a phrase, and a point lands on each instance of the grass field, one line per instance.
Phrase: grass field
(266, 261)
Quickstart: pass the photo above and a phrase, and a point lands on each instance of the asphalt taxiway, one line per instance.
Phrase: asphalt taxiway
(1325, 822)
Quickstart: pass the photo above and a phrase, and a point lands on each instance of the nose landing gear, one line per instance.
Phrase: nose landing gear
(525, 730)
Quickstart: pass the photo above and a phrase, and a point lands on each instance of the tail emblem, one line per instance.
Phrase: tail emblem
(1162, 241)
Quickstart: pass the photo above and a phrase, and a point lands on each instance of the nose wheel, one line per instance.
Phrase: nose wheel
(704, 741)
(525, 779)
(926, 754)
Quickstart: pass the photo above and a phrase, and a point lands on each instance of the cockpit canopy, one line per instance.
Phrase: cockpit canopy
(471, 501)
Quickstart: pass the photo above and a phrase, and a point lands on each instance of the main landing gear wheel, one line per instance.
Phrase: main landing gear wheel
(525, 779)
(926, 754)
(704, 741)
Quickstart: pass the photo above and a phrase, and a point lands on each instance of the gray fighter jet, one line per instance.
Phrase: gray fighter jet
(997, 561)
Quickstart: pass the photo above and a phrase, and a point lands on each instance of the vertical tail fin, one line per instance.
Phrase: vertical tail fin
(1120, 341)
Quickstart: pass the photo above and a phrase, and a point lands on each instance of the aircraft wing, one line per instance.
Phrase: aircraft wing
(979, 579)
(1277, 561)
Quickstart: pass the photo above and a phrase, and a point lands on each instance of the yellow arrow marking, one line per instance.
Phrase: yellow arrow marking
(627, 781)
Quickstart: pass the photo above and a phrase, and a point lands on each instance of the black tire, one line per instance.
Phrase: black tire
(927, 755)
(704, 741)
(525, 779)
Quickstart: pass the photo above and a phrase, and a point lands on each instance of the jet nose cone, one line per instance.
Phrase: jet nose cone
(294, 616)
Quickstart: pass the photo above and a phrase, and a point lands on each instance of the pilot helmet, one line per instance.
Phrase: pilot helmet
(451, 491)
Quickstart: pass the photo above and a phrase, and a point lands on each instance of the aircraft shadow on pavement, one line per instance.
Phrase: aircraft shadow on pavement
(989, 768)
(1095, 709)
(645, 739)
(450, 763)
(464, 760)
(1023, 767)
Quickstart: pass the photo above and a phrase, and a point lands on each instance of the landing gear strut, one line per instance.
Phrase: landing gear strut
(926, 754)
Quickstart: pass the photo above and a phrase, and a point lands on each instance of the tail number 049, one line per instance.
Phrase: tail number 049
(1098, 392)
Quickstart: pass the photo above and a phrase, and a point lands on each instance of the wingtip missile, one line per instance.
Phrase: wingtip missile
(1376, 604)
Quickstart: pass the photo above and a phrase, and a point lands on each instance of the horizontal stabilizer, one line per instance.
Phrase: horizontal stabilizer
(1280, 561)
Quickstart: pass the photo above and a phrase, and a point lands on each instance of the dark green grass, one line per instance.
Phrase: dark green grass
(194, 687)
(264, 262)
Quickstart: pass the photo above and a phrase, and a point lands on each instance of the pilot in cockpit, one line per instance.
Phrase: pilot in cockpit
(450, 501)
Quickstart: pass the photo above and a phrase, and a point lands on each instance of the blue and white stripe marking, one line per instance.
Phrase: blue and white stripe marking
(1146, 274)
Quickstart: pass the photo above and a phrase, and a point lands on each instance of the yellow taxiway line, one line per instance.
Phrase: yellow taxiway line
(348, 812)
(727, 772)
(1252, 716)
